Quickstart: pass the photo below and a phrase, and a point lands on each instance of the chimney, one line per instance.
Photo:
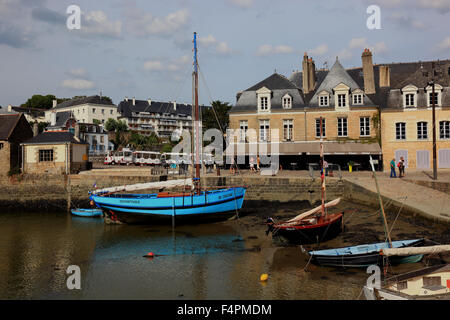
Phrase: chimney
(126, 99)
(149, 102)
(77, 131)
(53, 118)
(385, 76)
(9, 108)
(311, 75)
(134, 101)
(35, 129)
(367, 66)
(174, 105)
(305, 71)
(55, 103)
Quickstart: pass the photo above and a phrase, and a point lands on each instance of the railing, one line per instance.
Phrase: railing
(330, 171)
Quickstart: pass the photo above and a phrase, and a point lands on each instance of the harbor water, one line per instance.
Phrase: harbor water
(221, 260)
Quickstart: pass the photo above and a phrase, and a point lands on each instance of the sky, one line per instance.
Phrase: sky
(143, 49)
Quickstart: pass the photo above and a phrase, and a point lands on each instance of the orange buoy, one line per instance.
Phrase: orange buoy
(150, 254)
(264, 277)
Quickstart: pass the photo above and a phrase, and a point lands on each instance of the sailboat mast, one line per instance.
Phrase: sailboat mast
(322, 172)
(386, 229)
(196, 117)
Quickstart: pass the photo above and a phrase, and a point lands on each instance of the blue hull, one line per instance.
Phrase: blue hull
(87, 212)
(129, 208)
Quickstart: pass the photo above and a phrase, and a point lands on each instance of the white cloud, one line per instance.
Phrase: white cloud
(319, 50)
(242, 3)
(358, 43)
(173, 65)
(80, 73)
(442, 6)
(379, 48)
(97, 23)
(78, 84)
(145, 24)
(444, 44)
(210, 41)
(153, 65)
(268, 50)
(344, 54)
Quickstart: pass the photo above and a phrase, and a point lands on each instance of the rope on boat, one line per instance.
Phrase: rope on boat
(304, 269)
(398, 214)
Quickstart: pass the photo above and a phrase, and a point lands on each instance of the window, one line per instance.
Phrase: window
(288, 127)
(93, 110)
(400, 131)
(409, 100)
(430, 98)
(422, 132)
(45, 155)
(402, 285)
(318, 128)
(364, 126)
(1, 146)
(323, 101)
(444, 129)
(102, 139)
(341, 100)
(264, 130)
(264, 103)
(103, 111)
(342, 127)
(111, 111)
(287, 102)
(243, 125)
(431, 281)
(357, 99)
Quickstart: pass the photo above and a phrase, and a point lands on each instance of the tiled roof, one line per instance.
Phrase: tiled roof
(126, 108)
(55, 137)
(75, 102)
(279, 86)
(7, 124)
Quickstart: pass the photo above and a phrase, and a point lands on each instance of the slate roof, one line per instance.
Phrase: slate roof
(279, 85)
(75, 102)
(56, 137)
(7, 124)
(334, 77)
(126, 108)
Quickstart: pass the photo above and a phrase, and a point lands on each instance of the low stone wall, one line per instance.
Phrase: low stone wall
(436, 185)
(37, 192)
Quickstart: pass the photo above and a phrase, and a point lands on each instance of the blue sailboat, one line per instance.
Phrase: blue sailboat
(195, 205)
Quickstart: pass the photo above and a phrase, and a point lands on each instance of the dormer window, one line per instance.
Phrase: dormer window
(436, 97)
(287, 101)
(357, 98)
(341, 100)
(263, 98)
(324, 99)
(410, 96)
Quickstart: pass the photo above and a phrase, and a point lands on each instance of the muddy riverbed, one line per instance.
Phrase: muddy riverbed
(212, 261)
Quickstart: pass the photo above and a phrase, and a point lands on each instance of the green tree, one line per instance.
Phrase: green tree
(209, 119)
(42, 126)
(39, 101)
(96, 121)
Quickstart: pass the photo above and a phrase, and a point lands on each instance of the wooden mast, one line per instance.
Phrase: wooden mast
(196, 120)
(386, 229)
(322, 173)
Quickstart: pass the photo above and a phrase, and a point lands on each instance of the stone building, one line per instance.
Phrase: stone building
(161, 118)
(14, 129)
(55, 152)
(296, 106)
(84, 110)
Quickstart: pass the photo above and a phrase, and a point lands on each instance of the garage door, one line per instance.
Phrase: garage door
(423, 159)
(444, 158)
(401, 153)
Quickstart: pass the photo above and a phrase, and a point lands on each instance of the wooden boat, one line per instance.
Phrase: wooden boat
(367, 254)
(363, 255)
(432, 283)
(194, 205)
(313, 226)
(87, 212)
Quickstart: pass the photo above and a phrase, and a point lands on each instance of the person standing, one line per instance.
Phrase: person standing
(252, 164)
(393, 175)
(401, 168)
(258, 161)
(325, 166)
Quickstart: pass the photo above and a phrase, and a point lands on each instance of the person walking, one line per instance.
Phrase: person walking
(393, 174)
(258, 161)
(252, 164)
(401, 168)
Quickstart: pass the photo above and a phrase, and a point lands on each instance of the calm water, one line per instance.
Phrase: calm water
(213, 261)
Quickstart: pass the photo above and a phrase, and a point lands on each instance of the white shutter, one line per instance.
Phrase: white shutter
(401, 153)
(444, 158)
(423, 159)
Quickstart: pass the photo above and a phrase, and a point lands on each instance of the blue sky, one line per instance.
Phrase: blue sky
(144, 48)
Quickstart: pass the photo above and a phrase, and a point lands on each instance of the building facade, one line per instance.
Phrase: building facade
(84, 110)
(14, 129)
(162, 118)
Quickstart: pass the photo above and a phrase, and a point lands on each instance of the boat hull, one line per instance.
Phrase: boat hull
(165, 208)
(365, 259)
(87, 212)
(308, 234)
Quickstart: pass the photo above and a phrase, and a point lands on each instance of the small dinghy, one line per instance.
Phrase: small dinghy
(87, 212)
